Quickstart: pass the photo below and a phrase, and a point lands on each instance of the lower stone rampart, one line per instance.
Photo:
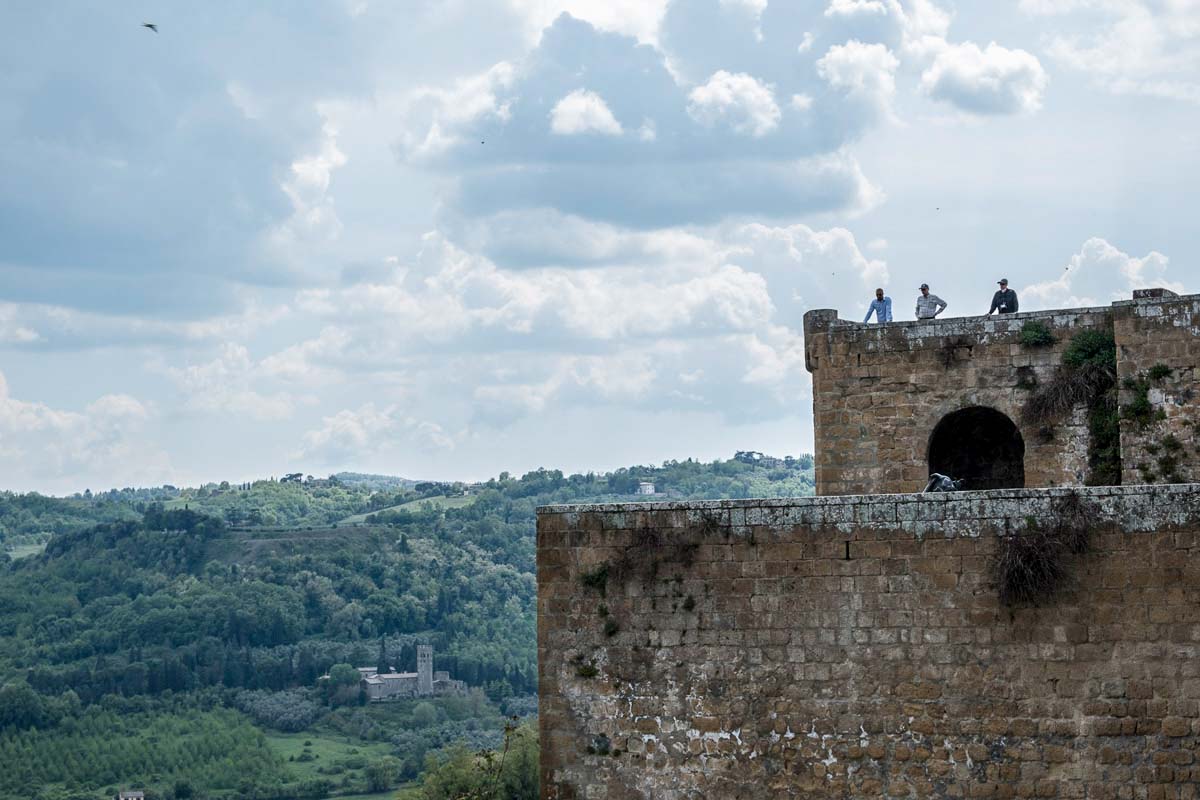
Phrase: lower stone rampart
(857, 647)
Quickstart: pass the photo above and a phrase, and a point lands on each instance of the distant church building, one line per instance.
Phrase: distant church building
(422, 683)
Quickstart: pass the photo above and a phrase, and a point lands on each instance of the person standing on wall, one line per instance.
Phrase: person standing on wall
(929, 305)
(881, 307)
(1005, 300)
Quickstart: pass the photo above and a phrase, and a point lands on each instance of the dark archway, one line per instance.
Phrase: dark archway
(981, 445)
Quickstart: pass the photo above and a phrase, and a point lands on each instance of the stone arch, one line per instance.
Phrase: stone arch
(979, 444)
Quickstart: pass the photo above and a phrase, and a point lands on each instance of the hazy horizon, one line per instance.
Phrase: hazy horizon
(454, 239)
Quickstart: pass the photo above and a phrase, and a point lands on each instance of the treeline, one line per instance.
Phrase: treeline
(177, 602)
(24, 515)
(156, 601)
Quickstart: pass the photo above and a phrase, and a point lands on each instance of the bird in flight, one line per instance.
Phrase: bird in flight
(151, 26)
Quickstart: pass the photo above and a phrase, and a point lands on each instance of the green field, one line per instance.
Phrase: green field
(341, 760)
(22, 550)
(441, 501)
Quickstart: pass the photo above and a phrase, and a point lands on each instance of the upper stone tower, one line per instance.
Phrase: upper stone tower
(894, 402)
(424, 669)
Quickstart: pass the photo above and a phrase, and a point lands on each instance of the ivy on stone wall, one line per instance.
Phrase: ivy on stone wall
(1036, 333)
(1165, 451)
(1087, 376)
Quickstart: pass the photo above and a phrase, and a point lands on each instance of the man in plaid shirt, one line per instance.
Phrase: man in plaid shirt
(929, 305)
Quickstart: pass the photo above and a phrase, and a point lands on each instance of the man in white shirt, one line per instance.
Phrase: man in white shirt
(929, 305)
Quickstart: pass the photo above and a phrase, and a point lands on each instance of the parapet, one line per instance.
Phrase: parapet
(894, 402)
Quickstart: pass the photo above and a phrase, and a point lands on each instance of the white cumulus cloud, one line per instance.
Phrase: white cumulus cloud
(992, 80)
(1149, 47)
(740, 100)
(851, 8)
(226, 384)
(583, 112)
(68, 450)
(353, 434)
(637, 18)
(1099, 274)
(865, 71)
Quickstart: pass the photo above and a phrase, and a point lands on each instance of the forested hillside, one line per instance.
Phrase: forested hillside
(220, 608)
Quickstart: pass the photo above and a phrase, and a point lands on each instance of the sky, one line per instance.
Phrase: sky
(447, 239)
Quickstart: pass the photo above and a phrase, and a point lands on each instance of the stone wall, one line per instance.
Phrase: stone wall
(1162, 448)
(856, 647)
(880, 390)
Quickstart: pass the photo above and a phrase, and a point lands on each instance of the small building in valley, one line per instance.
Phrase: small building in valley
(424, 682)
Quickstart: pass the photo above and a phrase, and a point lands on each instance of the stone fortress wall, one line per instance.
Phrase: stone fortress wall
(857, 647)
(881, 391)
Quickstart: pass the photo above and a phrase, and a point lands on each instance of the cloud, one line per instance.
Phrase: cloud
(310, 361)
(436, 116)
(351, 435)
(994, 80)
(801, 102)
(637, 18)
(740, 100)
(55, 328)
(852, 8)
(705, 319)
(180, 185)
(224, 385)
(1148, 47)
(314, 217)
(865, 72)
(583, 112)
(198, 148)
(12, 331)
(1099, 274)
(912, 27)
(688, 161)
(674, 193)
(65, 450)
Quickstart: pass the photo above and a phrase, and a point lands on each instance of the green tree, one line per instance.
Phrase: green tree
(424, 715)
(20, 706)
(344, 685)
(382, 774)
(455, 776)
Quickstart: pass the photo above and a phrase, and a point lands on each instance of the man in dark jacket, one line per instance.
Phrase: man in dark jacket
(1005, 300)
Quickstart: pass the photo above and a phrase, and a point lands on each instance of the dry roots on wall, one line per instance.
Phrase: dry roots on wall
(1032, 565)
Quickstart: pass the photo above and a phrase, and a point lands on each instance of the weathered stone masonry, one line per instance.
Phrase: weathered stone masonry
(880, 391)
(855, 647)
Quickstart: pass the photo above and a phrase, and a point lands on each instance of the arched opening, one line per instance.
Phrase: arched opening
(981, 445)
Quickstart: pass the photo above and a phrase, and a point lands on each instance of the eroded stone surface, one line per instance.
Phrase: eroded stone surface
(750, 658)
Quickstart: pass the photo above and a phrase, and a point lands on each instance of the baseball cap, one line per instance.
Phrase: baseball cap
(1003, 281)
(923, 286)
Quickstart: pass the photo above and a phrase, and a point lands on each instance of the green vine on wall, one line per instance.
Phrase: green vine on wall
(1167, 450)
(1036, 333)
(1086, 376)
